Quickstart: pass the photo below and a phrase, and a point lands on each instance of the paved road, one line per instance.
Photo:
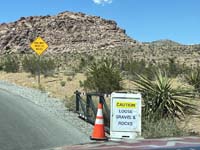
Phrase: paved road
(26, 126)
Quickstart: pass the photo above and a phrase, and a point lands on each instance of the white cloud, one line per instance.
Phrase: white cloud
(102, 2)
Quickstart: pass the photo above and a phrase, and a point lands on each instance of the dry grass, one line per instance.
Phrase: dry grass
(50, 84)
(53, 86)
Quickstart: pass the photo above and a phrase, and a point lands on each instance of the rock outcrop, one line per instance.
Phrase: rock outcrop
(70, 32)
(65, 32)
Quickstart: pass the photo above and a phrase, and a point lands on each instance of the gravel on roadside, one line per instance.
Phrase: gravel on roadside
(52, 105)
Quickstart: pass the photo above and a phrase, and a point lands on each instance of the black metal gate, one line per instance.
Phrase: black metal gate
(87, 110)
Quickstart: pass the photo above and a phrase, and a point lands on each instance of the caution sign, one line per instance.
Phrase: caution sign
(39, 45)
(125, 115)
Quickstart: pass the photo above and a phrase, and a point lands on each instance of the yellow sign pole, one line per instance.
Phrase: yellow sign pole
(39, 70)
(39, 46)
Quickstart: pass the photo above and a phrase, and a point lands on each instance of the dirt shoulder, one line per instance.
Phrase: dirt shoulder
(49, 84)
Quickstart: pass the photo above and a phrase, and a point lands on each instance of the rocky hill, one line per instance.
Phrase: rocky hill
(70, 32)
(164, 43)
(65, 32)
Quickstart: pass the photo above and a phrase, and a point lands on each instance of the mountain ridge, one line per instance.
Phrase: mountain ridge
(69, 32)
(64, 32)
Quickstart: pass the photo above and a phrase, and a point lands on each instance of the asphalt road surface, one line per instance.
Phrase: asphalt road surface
(26, 126)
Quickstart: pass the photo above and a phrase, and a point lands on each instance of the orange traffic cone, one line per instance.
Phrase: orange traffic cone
(98, 131)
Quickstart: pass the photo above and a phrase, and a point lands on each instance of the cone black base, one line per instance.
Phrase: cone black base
(99, 139)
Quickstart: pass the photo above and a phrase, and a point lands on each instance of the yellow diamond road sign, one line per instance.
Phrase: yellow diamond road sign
(39, 45)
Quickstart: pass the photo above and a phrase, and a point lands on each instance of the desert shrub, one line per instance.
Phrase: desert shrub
(193, 78)
(85, 62)
(103, 77)
(161, 100)
(62, 83)
(81, 83)
(69, 78)
(47, 66)
(134, 67)
(162, 128)
(141, 67)
(172, 68)
(10, 63)
(32, 64)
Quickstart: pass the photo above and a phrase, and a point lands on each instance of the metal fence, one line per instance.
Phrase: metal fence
(85, 107)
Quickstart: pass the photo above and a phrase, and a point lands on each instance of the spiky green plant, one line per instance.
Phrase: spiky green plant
(161, 100)
(193, 78)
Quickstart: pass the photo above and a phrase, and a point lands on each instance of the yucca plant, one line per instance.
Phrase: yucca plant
(161, 100)
(193, 78)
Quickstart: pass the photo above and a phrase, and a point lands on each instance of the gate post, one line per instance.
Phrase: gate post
(77, 100)
(88, 98)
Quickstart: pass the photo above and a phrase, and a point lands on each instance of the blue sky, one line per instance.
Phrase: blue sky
(143, 20)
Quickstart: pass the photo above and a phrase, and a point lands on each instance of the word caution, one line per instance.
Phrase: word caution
(126, 104)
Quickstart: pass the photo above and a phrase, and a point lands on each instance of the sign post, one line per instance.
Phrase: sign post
(39, 46)
(39, 70)
(125, 119)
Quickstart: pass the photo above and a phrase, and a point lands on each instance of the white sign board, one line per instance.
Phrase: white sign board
(125, 115)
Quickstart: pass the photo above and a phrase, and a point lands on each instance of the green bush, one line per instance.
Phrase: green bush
(81, 83)
(69, 78)
(141, 67)
(172, 68)
(161, 100)
(134, 67)
(48, 66)
(193, 78)
(103, 77)
(10, 63)
(85, 61)
(62, 83)
(32, 64)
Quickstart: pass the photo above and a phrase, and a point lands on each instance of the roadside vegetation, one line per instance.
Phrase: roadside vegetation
(10, 63)
(162, 100)
(103, 77)
(193, 79)
(170, 90)
(33, 64)
(164, 106)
